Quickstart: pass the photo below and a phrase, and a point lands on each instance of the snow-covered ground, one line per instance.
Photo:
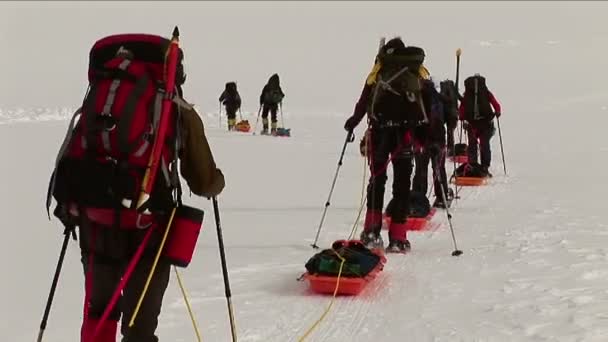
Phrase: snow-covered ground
(535, 263)
(535, 242)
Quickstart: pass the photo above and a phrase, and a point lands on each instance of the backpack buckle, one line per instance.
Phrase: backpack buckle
(105, 122)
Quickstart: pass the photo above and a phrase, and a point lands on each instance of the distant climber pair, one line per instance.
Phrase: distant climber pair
(271, 99)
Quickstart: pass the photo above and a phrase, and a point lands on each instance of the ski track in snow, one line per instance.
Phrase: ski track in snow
(534, 266)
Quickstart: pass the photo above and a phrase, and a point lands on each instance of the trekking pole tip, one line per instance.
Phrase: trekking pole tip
(457, 253)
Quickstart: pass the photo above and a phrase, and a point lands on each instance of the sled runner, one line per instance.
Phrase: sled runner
(361, 266)
(469, 181)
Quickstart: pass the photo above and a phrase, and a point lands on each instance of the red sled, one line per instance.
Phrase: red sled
(413, 223)
(460, 159)
(346, 286)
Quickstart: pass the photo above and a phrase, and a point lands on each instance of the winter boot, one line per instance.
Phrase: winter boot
(396, 246)
(231, 123)
(107, 332)
(439, 203)
(485, 172)
(398, 242)
(370, 237)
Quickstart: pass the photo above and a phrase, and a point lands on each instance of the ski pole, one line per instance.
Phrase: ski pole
(255, 127)
(458, 53)
(456, 251)
(240, 114)
(220, 241)
(219, 117)
(281, 110)
(47, 310)
(350, 137)
(502, 151)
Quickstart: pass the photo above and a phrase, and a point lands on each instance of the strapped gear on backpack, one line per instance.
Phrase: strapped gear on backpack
(397, 78)
(477, 99)
(105, 154)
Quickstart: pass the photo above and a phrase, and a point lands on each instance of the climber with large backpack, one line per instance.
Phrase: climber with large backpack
(478, 109)
(270, 99)
(231, 100)
(395, 104)
(116, 180)
(430, 146)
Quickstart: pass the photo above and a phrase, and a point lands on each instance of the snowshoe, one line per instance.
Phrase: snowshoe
(395, 246)
(372, 240)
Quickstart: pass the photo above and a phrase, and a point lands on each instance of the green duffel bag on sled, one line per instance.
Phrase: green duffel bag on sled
(359, 260)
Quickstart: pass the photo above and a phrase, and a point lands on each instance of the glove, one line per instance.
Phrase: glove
(497, 114)
(465, 125)
(351, 123)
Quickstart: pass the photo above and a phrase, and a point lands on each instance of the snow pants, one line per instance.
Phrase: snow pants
(480, 134)
(272, 109)
(395, 141)
(105, 252)
(420, 182)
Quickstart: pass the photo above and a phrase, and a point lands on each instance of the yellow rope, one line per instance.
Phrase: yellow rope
(158, 253)
(351, 236)
(331, 303)
(183, 290)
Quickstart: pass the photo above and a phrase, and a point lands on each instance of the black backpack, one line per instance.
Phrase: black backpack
(477, 99)
(399, 75)
(437, 115)
(450, 96)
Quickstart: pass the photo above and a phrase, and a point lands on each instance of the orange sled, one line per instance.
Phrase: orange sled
(413, 223)
(243, 126)
(347, 286)
(469, 181)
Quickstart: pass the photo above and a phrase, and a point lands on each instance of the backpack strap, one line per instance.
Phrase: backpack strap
(126, 118)
(107, 107)
(145, 138)
(387, 84)
(60, 154)
(88, 134)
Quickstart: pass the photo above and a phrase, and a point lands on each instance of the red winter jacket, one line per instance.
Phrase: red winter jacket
(493, 101)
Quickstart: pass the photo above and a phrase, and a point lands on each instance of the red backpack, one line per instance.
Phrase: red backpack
(103, 159)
